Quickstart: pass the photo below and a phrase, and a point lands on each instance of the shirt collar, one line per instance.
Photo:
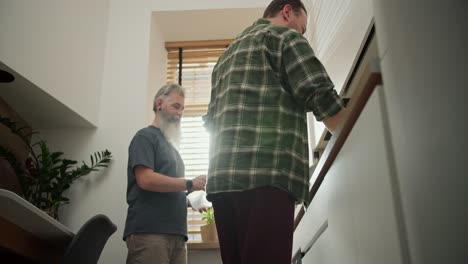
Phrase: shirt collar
(262, 21)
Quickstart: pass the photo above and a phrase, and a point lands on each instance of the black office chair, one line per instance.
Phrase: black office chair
(87, 245)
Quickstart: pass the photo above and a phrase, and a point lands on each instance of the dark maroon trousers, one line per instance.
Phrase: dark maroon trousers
(255, 226)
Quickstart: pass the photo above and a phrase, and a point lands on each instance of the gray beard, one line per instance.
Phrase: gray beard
(170, 129)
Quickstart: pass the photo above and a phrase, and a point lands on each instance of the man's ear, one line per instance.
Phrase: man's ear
(286, 12)
(159, 104)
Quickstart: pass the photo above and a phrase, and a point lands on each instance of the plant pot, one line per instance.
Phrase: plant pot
(209, 233)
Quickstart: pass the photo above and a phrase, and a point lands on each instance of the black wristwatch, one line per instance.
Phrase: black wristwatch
(189, 184)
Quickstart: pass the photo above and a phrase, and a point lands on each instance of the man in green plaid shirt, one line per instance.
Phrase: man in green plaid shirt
(262, 87)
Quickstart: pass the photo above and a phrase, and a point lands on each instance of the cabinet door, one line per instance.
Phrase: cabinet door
(314, 221)
(320, 251)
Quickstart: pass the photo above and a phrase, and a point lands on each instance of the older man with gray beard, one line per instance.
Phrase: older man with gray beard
(156, 225)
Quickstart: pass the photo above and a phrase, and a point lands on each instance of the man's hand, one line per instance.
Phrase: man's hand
(333, 122)
(199, 183)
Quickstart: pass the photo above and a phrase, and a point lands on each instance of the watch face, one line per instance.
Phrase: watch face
(189, 184)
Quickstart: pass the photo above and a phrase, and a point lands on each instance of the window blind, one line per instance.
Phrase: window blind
(194, 146)
(197, 61)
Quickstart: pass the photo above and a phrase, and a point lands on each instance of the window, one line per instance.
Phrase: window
(194, 221)
(190, 64)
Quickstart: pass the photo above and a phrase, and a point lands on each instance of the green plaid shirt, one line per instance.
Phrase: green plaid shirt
(262, 87)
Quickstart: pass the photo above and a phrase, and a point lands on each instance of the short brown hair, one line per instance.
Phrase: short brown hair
(276, 5)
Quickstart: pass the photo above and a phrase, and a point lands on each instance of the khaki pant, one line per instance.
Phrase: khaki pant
(156, 248)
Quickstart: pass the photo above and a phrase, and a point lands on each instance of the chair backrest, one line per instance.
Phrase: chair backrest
(87, 245)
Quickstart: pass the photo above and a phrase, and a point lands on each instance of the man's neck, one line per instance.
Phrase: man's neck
(277, 20)
(155, 122)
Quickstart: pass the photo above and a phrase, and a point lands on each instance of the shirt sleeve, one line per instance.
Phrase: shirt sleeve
(141, 152)
(208, 118)
(309, 82)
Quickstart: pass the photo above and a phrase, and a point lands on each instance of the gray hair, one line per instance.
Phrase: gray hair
(166, 90)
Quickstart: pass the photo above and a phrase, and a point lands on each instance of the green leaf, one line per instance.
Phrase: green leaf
(208, 216)
(47, 174)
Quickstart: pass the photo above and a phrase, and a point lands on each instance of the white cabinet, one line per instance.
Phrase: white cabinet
(424, 67)
(354, 205)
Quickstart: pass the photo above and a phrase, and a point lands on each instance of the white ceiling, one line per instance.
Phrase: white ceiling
(204, 24)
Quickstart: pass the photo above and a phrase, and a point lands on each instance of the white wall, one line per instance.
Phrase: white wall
(159, 5)
(336, 31)
(423, 53)
(157, 66)
(59, 46)
(123, 111)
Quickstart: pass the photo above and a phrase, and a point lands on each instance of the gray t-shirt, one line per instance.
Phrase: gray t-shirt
(154, 212)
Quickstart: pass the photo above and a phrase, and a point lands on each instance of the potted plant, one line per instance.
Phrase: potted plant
(208, 231)
(45, 175)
